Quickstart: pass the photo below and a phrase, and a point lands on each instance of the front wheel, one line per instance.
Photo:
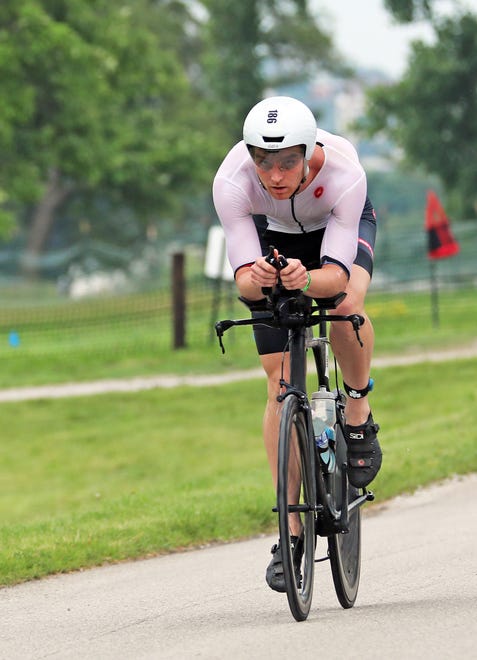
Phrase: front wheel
(295, 500)
(345, 549)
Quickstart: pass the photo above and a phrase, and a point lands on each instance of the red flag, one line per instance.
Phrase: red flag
(441, 242)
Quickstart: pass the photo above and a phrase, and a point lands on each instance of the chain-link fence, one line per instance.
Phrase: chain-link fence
(128, 304)
(402, 263)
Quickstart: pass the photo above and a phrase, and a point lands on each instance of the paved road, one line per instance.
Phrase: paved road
(418, 598)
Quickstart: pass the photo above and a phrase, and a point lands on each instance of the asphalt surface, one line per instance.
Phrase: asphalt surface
(417, 599)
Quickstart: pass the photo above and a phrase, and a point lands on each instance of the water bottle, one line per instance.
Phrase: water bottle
(323, 414)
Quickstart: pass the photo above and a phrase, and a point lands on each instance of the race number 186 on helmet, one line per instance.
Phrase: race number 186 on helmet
(279, 122)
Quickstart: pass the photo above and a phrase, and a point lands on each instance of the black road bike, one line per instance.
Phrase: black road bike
(318, 493)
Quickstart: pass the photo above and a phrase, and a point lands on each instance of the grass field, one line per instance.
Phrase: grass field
(131, 335)
(89, 480)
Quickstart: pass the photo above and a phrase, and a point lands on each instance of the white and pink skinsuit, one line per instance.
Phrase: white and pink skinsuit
(334, 199)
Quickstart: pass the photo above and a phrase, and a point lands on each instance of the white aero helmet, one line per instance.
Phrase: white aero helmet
(279, 122)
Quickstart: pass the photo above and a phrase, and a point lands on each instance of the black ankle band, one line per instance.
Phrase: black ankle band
(358, 394)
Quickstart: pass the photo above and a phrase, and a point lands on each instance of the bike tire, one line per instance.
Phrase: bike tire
(295, 467)
(344, 549)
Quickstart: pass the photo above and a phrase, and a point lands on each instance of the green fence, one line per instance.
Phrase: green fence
(135, 314)
(401, 258)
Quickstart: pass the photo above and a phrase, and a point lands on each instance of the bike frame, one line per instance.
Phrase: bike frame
(322, 503)
(296, 312)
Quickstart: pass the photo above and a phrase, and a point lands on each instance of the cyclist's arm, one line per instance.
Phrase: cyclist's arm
(325, 282)
(251, 278)
(340, 240)
(232, 192)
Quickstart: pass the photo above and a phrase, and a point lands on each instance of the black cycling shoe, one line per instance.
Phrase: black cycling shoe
(364, 452)
(274, 575)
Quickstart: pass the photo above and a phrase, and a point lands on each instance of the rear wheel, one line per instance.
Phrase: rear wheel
(345, 549)
(295, 499)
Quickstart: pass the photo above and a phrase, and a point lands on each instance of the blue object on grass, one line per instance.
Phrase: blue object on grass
(14, 339)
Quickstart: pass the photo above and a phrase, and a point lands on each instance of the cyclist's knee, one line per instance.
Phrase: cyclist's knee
(352, 304)
(355, 292)
(275, 368)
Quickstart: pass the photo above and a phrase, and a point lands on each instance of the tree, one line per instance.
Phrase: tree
(432, 112)
(125, 109)
(243, 37)
(96, 97)
(406, 11)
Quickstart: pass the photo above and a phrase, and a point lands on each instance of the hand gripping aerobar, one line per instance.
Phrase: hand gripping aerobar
(277, 262)
(284, 308)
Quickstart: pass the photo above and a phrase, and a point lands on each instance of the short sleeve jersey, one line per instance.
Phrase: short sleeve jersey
(334, 199)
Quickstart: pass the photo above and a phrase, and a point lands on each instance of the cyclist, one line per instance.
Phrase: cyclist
(303, 190)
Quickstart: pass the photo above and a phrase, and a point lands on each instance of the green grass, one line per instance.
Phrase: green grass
(131, 335)
(116, 338)
(403, 322)
(84, 481)
(90, 480)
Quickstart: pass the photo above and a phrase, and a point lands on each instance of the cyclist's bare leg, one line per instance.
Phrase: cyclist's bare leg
(354, 360)
(272, 363)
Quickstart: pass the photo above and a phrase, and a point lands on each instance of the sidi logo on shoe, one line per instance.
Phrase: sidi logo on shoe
(357, 436)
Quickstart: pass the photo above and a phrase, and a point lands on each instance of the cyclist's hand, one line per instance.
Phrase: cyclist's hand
(294, 276)
(263, 274)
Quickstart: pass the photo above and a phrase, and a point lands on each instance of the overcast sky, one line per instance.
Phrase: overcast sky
(365, 33)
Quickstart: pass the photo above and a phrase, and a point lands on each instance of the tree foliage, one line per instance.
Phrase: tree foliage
(432, 112)
(244, 37)
(126, 108)
(406, 11)
(231, 61)
(95, 97)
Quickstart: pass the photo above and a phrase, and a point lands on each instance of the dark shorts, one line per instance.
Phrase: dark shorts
(306, 247)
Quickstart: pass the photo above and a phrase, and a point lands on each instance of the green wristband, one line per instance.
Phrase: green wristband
(307, 285)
